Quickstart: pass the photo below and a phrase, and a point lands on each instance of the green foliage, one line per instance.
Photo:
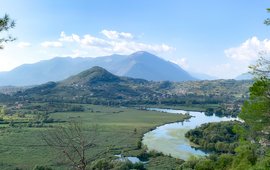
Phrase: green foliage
(5, 25)
(163, 162)
(267, 21)
(245, 156)
(107, 164)
(102, 164)
(189, 164)
(263, 162)
(218, 137)
(224, 161)
(139, 144)
(204, 164)
(255, 111)
(37, 167)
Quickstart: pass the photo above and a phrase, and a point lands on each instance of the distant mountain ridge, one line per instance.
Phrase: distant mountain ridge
(99, 86)
(95, 84)
(244, 76)
(137, 65)
(202, 76)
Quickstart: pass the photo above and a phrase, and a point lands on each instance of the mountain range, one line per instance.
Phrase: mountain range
(98, 86)
(95, 84)
(244, 76)
(141, 64)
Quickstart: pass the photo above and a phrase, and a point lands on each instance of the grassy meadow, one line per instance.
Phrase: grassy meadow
(119, 130)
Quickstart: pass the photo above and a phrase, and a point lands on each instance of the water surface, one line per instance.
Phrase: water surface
(170, 138)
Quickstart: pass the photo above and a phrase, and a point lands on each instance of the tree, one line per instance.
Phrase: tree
(256, 110)
(72, 142)
(5, 25)
(262, 68)
(267, 21)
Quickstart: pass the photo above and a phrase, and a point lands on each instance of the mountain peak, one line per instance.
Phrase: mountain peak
(144, 57)
(141, 64)
(141, 53)
(93, 75)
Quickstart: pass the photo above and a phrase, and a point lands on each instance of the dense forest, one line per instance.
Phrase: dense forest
(216, 137)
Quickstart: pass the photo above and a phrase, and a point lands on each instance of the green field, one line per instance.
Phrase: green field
(22, 147)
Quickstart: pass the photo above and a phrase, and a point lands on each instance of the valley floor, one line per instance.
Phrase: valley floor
(119, 130)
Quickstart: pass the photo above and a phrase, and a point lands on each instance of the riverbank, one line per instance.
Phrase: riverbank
(170, 138)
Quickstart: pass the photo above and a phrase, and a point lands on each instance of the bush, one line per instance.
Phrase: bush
(139, 144)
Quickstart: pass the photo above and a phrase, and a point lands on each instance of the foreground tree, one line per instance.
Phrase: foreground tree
(256, 113)
(262, 68)
(72, 142)
(256, 110)
(5, 25)
(267, 21)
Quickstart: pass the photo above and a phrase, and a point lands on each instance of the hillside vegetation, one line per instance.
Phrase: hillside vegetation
(98, 86)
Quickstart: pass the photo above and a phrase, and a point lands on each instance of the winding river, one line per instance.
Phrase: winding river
(170, 138)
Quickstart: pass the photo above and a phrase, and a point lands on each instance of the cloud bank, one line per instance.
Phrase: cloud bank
(241, 57)
(23, 44)
(249, 50)
(112, 42)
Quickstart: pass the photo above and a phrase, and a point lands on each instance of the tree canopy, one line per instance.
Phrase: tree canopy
(267, 21)
(5, 25)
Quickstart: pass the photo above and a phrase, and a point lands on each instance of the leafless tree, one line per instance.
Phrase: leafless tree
(72, 141)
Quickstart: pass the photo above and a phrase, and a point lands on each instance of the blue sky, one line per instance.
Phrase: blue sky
(219, 38)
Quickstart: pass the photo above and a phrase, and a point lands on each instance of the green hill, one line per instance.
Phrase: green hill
(98, 86)
(95, 85)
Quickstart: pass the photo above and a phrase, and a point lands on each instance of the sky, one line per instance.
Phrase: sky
(218, 38)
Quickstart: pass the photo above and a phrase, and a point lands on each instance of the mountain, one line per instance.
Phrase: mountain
(202, 76)
(244, 76)
(150, 67)
(95, 84)
(99, 86)
(95, 75)
(137, 65)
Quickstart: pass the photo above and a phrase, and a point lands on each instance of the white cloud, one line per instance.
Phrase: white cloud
(48, 44)
(114, 42)
(72, 38)
(241, 57)
(23, 44)
(79, 46)
(89, 40)
(248, 50)
(114, 35)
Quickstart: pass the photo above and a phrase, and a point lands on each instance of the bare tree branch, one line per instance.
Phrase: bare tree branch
(72, 142)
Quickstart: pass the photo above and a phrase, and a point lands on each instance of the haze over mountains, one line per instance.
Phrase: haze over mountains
(244, 76)
(137, 65)
(98, 86)
(93, 83)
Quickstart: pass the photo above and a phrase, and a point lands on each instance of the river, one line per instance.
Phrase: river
(170, 138)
